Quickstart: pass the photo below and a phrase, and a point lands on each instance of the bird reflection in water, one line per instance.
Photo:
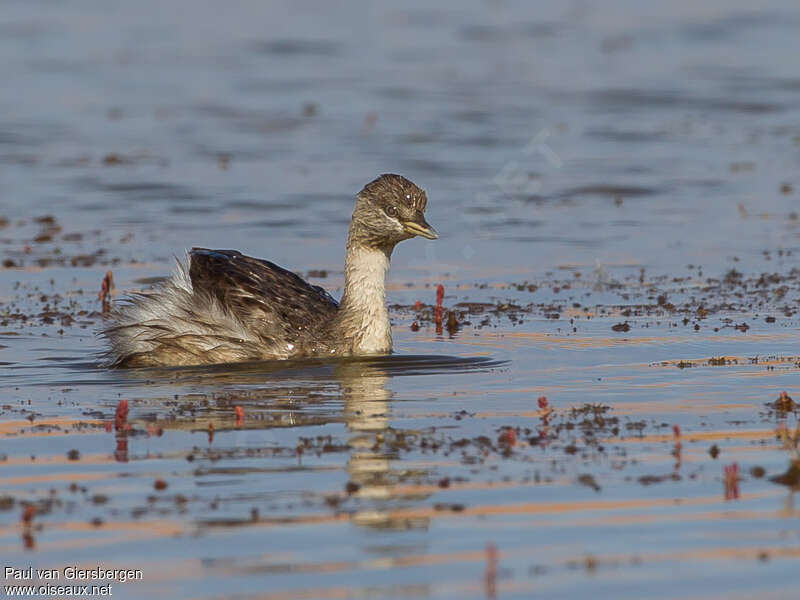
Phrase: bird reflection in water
(367, 402)
(289, 394)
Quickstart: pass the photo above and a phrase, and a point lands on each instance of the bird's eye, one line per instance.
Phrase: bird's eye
(391, 211)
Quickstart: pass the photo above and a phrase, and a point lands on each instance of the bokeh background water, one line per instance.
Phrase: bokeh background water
(645, 148)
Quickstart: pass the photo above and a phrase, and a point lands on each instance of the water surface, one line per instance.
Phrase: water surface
(615, 187)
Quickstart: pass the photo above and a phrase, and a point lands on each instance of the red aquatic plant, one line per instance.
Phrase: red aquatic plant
(731, 476)
(28, 541)
(544, 432)
(122, 428)
(121, 451)
(121, 416)
(437, 318)
(676, 452)
(28, 513)
(491, 571)
(106, 290)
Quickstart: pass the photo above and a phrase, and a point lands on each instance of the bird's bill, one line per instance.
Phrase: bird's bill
(421, 229)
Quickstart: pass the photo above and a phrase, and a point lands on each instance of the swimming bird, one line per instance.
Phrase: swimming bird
(222, 306)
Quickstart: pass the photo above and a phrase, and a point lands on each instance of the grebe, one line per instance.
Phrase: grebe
(222, 306)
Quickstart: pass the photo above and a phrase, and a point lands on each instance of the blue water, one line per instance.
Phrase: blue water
(606, 153)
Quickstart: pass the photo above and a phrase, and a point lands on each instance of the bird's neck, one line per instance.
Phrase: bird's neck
(363, 317)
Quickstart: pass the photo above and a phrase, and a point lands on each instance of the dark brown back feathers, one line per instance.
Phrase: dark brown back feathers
(261, 294)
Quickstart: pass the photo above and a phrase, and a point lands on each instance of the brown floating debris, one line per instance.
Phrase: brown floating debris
(791, 478)
(452, 322)
(785, 402)
(113, 159)
(508, 437)
(790, 440)
(589, 481)
(160, 484)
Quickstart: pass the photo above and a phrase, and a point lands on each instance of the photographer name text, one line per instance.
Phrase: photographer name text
(73, 573)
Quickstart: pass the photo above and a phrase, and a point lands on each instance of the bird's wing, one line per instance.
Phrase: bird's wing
(260, 293)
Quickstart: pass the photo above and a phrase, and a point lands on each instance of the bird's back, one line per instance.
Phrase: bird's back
(277, 304)
(222, 306)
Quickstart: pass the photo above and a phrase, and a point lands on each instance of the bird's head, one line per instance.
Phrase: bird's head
(388, 210)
